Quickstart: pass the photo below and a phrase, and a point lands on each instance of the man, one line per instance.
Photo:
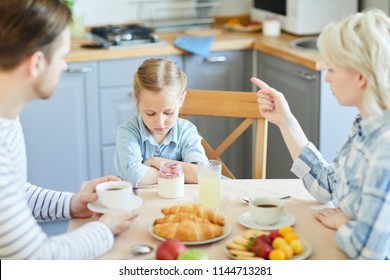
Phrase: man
(34, 41)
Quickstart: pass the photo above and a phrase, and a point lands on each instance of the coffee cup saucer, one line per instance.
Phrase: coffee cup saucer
(246, 220)
(98, 207)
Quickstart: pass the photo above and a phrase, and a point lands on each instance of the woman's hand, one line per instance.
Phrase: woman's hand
(332, 218)
(274, 107)
(87, 194)
(272, 103)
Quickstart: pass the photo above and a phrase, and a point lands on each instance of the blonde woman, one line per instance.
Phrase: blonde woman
(156, 133)
(357, 51)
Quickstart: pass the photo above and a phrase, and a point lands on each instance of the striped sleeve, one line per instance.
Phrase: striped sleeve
(22, 238)
(20, 235)
(88, 242)
(48, 204)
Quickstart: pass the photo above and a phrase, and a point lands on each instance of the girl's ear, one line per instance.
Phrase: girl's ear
(182, 98)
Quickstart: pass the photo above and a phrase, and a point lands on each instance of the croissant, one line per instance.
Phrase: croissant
(188, 230)
(198, 210)
(177, 218)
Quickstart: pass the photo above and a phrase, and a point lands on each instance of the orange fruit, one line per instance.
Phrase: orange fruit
(278, 241)
(284, 230)
(297, 246)
(290, 237)
(277, 254)
(287, 250)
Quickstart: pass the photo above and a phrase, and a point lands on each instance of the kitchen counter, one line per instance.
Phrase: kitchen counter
(226, 40)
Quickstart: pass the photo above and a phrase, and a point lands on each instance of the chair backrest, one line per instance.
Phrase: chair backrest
(232, 104)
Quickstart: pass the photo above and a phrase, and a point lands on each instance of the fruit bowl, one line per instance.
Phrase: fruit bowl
(273, 245)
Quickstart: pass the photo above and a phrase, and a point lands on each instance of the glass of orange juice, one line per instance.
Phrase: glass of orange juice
(209, 180)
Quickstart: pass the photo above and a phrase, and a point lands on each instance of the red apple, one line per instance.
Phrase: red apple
(169, 249)
(264, 237)
(262, 249)
(274, 233)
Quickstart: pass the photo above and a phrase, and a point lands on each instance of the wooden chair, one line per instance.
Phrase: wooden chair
(230, 104)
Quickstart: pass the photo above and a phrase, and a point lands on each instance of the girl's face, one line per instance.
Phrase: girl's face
(347, 85)
(159, 112)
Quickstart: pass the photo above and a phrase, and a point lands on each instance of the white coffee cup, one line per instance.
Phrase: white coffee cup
(115, 194)
(266, 211)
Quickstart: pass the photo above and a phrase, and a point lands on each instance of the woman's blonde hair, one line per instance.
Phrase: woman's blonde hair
(361, 42)
(157, 74)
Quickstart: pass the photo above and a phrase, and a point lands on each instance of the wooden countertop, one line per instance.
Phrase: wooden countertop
(225, 41)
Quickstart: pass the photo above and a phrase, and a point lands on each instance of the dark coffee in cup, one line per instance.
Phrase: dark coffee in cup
(115, 194)
(266, 211)
(266, 205)
(113, 189)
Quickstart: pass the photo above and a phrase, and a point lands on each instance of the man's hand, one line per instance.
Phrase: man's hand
(87, 194)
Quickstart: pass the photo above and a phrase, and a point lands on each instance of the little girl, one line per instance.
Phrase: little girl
(156, 133)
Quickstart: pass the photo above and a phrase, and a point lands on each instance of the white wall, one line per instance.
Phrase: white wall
(380, 4)
(234, 7)
(101, 12)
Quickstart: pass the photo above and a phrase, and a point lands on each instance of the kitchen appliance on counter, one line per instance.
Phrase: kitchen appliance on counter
(178, 15)
(115, 36)
(303, 17)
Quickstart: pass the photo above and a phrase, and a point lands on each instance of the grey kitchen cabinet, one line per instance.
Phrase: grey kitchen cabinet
(116, 102)
(230, 71)
(61, 133)
(324, 122)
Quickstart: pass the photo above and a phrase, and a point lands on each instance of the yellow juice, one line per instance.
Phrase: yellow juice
(209, 188)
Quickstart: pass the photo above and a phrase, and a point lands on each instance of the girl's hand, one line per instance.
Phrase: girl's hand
(154, 162)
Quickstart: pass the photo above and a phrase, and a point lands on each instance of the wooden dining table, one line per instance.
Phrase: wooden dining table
(301, 205)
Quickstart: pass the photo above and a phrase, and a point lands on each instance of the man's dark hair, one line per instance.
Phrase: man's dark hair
(27, 26)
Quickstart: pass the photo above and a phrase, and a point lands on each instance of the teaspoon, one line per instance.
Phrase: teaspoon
(247, 199)
(139, 249)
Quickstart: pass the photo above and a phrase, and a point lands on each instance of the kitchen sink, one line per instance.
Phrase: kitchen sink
(307, 43)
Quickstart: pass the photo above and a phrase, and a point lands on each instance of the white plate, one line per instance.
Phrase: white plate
(226, 231)
(97, 207)
(245, 219)
(241, 28)
(304, 255)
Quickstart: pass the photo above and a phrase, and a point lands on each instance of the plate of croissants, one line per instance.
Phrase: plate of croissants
(192, 224)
